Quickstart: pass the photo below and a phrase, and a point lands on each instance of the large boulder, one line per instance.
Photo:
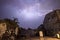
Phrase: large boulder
(52, 22)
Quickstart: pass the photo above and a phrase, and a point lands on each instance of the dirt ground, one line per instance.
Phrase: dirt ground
(45, 38)
(50, 38)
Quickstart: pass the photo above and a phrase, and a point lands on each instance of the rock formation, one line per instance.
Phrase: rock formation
(9, 29)
(52, 22)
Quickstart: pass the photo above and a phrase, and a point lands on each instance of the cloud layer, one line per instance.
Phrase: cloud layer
(22, 9)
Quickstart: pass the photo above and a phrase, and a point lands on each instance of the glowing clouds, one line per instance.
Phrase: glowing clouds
(30, 12)
(29, 16)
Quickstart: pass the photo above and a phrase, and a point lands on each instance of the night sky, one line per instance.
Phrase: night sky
(30, 13)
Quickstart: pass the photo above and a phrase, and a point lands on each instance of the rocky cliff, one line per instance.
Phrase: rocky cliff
(52, 22)
(9, 29)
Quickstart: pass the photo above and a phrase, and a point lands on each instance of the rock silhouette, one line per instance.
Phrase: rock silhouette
(52, 22)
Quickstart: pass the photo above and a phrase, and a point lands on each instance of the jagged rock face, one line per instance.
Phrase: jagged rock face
(52, 21)
(8, 28)
(2, 28)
